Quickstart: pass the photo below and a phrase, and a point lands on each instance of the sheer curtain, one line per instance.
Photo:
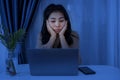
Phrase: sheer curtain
(117, 58)
(100, 32)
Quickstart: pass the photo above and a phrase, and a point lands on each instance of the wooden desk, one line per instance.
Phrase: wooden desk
(103, 72)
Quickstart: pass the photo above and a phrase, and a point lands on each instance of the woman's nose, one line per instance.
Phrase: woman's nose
(57, 24)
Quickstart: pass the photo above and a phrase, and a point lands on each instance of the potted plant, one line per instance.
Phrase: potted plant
(9, 40)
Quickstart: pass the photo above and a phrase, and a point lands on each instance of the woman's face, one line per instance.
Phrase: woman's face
(57, 21)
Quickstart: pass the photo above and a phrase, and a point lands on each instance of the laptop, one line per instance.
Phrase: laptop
(53, 62)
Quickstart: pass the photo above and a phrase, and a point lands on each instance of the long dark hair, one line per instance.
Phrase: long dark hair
(44, 32)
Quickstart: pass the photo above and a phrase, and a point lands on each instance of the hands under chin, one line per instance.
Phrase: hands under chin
(61, 33)
(63, 30)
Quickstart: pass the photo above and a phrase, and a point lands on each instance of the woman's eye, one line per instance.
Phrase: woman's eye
(61, 20)
(52, 21)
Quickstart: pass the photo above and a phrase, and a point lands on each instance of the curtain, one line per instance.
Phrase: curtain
(100, 32)
(18, 14)
(118, 35)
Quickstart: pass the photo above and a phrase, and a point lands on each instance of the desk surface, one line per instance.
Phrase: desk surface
(103, 72)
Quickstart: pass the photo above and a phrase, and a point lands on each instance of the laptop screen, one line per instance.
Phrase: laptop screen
(53, 61)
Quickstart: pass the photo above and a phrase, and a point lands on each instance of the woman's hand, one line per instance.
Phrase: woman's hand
(45, 46)
(50, 30)
(62, 37)
(63, 29)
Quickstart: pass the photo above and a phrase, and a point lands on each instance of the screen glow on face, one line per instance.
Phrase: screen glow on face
(57, 21)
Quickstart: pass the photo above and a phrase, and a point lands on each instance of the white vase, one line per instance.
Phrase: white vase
(10, 65)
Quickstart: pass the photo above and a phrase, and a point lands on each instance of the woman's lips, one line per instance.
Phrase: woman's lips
(57, 30)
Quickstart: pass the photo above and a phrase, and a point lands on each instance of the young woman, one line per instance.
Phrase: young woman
(56, 30)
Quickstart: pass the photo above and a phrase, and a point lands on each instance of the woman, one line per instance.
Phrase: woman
(56, 29)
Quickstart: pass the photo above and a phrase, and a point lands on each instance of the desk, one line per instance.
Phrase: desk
(103, 72)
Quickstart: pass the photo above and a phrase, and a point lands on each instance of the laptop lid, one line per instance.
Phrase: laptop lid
(53, 62)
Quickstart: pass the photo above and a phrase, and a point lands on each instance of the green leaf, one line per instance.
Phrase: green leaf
(10, 39)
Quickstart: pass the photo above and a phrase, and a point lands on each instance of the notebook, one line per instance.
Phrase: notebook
(53, 62)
